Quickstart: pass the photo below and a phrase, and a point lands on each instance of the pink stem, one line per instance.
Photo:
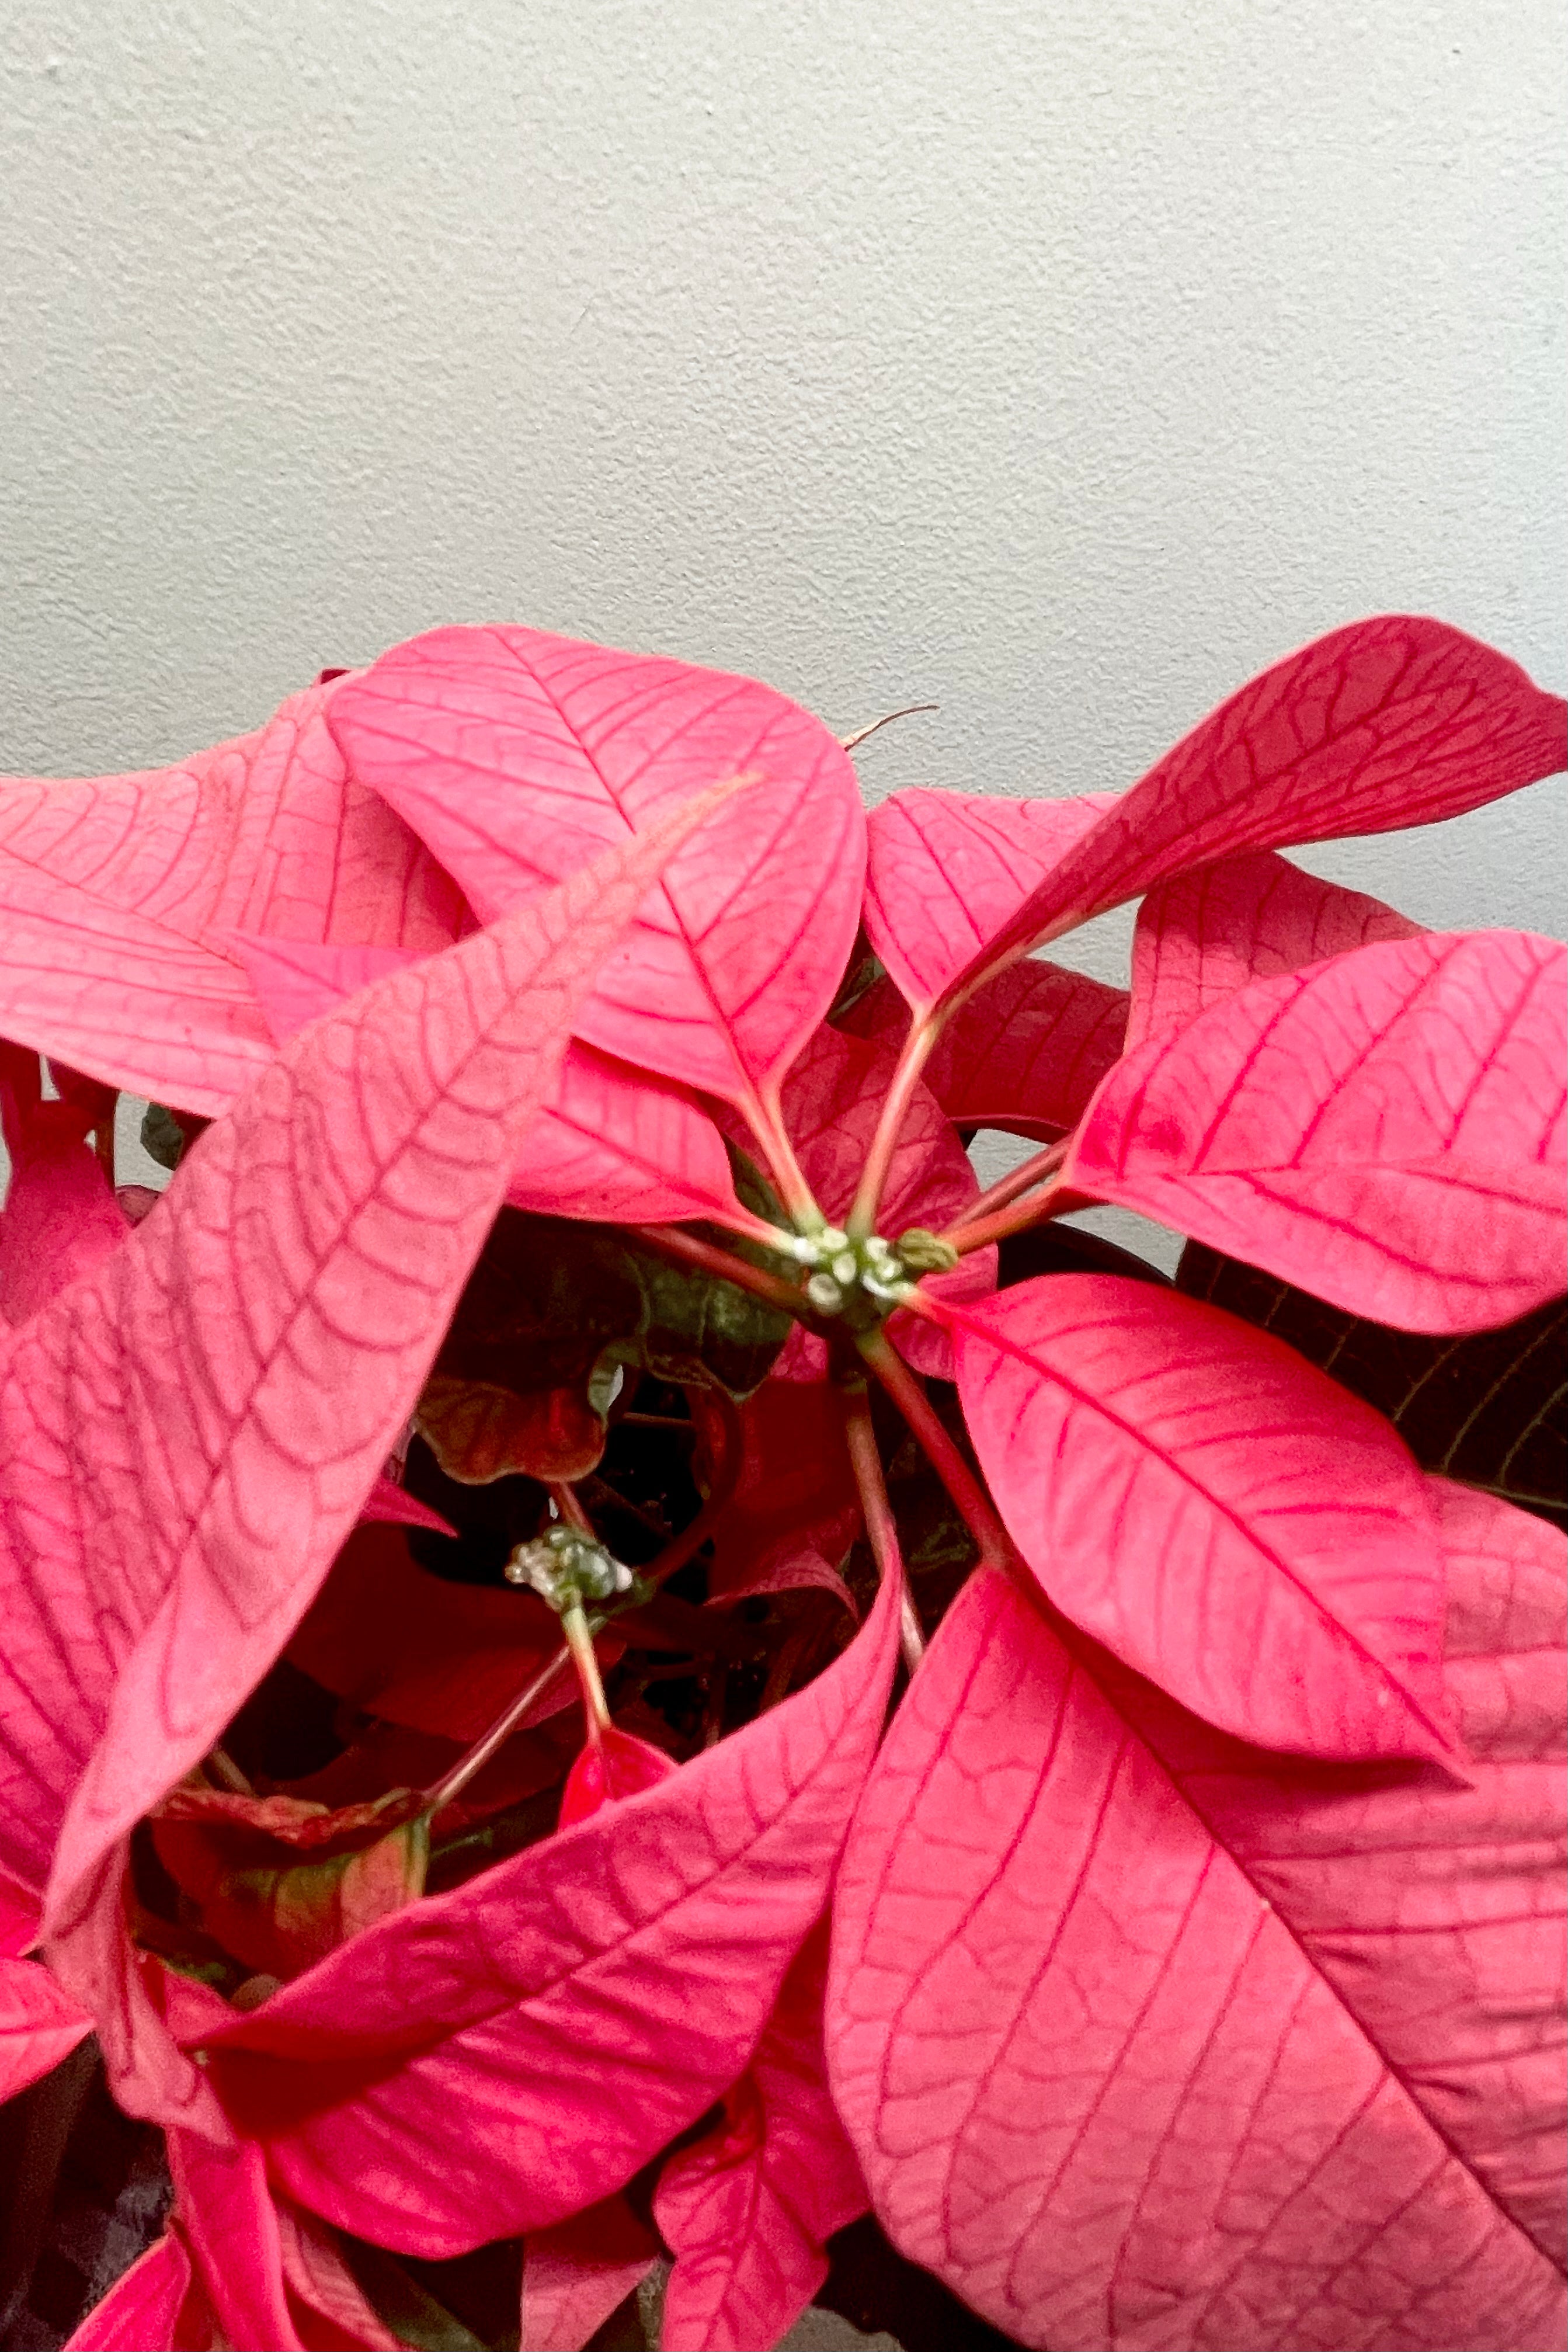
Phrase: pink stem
(1023, 1179)
(569, 1509)
(1054, 1200)
(687, 1249)
(885, 1142)
(908, 1393)
(451, 1786)
(881, 1531)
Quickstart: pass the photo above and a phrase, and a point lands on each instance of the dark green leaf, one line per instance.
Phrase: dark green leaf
(1488, 1408)
(412, 2314)
(549, 1297)
(162, 1137)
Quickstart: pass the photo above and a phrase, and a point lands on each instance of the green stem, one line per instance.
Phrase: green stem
(579, 1641)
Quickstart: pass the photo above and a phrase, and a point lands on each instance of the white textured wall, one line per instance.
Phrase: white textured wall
(1062, 360)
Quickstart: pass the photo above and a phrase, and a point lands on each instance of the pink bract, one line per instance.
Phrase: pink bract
(1147, 1900)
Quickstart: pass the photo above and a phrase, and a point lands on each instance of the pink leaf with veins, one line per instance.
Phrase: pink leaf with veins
(40, 2023)
(230, 2222)
(1204, 935)
(320, 2286)
(575, 2275)
(1436, 1911)
(1026, 1052)
(189, 1432)
(746, 2209)
(613, 1145)
(515, 755)
(1214, 1509)
(947, 870)
(118, 893)
(60, 1216)
(544, 2029)
(1099, 2084)
(1386, 1129)
(1391, 722)
(152, 2303)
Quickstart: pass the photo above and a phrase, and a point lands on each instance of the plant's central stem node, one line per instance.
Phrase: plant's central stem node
(874, 1273)
(567, 1568)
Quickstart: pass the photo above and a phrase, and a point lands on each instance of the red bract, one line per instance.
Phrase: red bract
(60, 1216)
(39, 2023)
(1191, 1977)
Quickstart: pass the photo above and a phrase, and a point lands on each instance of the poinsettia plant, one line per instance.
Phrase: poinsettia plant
(607, 1657)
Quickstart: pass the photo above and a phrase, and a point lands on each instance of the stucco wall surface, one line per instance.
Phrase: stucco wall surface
(1060, 363)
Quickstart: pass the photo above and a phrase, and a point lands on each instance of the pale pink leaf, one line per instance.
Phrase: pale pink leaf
(746, 2209)
(544, 2029)
(1390, 723)
(1096, 2080)
(1214, 1509)
(1386, 1129)
(575, 2275)
(516, 755)
(1205, 934)
(613, 1144)
(189, 1431)
(150, 2306)
(946, 872)
(1435, 1910)
(60, 1216)
(117, 893)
